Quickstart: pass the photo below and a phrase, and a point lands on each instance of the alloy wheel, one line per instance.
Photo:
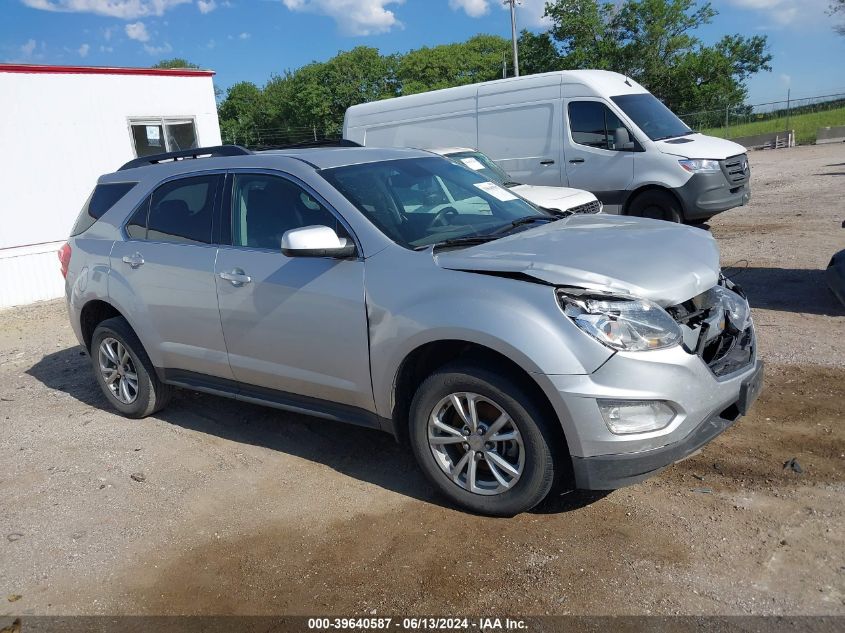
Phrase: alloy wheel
(118, 370)
(476, 443)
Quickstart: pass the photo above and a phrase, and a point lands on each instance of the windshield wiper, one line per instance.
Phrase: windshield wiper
(665, 138)
(511, 183)
(530, 219)
(468, 240)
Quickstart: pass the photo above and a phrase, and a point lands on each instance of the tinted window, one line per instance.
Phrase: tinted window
(103, 198)
(136, 228)
(651, 116)
(182, 210)
(265, 207)
(593, 124)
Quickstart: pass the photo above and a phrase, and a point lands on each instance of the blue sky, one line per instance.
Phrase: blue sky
(252, 39)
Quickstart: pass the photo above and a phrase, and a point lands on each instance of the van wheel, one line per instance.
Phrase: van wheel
(482, 441)
(655, 204)
(124, 371)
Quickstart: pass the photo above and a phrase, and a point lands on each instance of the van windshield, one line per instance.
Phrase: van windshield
(418, 202)
(656, 120)
(484, 165)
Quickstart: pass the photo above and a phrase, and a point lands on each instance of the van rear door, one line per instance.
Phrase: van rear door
(519, 126)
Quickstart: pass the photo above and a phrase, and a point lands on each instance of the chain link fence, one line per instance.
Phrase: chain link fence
(805, 115)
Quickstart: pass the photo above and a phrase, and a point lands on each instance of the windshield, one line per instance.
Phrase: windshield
(656, 120)
(417, 202)
(482, 164)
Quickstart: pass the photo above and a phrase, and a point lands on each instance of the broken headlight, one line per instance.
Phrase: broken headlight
(622, 323)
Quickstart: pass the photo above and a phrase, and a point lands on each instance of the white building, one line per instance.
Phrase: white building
(64, 126)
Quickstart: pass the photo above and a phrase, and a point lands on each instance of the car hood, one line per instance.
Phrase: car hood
(664, 262)
(560, 198)
(700, 146)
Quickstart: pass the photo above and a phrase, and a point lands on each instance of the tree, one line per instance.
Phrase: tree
(242, 114)
(652, 41)
(538, 53)
(477, 59)
(838, 6)
(176, 62)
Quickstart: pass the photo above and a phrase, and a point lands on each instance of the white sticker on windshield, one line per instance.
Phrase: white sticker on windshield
(500, 193)
(473, 163)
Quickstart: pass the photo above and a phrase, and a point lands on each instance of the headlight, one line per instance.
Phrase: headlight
(700, 166)
(622, 323)
(735, 306)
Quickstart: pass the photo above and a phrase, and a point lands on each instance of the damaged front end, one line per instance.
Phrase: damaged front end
(717, 326)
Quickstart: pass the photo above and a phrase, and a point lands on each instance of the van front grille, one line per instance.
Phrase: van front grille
(736, 169)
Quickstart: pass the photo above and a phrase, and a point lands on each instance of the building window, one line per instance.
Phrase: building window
(159, 135)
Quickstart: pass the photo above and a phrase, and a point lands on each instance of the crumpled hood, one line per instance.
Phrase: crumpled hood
(700, 146)
(652, 259)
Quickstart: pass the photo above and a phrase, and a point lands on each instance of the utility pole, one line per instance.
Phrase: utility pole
(512, 4)
(788, 107)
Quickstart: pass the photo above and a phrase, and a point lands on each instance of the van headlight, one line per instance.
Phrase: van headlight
(700, 165)
(622, 323)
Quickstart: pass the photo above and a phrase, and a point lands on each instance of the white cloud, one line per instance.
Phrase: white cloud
(137, 31)
(158, 50)
(124, 9)
(529, 13)
(29, 48)
(783, 12)
(83, 50)
(206, 6)
(473, 8)
(353, 17)
(244, 36)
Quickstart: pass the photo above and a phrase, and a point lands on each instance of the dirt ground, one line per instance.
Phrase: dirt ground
(246, 510)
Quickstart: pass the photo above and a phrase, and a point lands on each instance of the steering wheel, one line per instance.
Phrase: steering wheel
(443, 217)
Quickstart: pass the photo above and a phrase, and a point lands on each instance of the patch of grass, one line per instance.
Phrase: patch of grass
(805, 125)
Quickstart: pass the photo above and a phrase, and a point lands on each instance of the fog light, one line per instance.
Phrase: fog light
(635, 416)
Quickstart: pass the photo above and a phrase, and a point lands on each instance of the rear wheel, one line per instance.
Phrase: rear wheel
(124, 371)
(657, 205)
(482, 441)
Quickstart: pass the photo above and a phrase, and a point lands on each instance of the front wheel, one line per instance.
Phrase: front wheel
(482, 441)
(655, 204)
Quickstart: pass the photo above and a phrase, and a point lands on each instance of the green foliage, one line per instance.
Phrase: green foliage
(651, 41)
(176, 62)
(838, 7)
(480, 58)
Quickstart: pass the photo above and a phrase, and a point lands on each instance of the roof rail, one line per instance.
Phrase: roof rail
(219, 150)
(326, 142)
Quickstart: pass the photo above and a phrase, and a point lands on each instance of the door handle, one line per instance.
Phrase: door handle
(547, 162)
(236, 277)
(577, 160)
(134, 261)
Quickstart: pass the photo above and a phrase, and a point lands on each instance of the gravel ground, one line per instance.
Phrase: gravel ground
(237, 509)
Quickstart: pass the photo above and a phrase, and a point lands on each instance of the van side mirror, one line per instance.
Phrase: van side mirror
(623, 139)
(316, 241)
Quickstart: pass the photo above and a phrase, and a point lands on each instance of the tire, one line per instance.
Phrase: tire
(148, 394)
(656, 204)
(527, 428)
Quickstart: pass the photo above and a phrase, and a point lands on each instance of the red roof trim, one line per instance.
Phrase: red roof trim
(103, 70)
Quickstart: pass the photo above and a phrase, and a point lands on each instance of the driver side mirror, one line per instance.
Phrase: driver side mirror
(316, 241)
(622, 139)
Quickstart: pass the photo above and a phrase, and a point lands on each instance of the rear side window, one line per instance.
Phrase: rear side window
(103, 198)
(179, 211)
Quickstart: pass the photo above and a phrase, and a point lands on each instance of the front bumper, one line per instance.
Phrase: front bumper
(608, 472)
(705, 405)
(705, 195)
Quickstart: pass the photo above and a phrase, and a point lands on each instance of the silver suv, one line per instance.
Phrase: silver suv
(514, 349)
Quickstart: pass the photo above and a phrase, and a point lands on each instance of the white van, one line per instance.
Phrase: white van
(588, 129)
